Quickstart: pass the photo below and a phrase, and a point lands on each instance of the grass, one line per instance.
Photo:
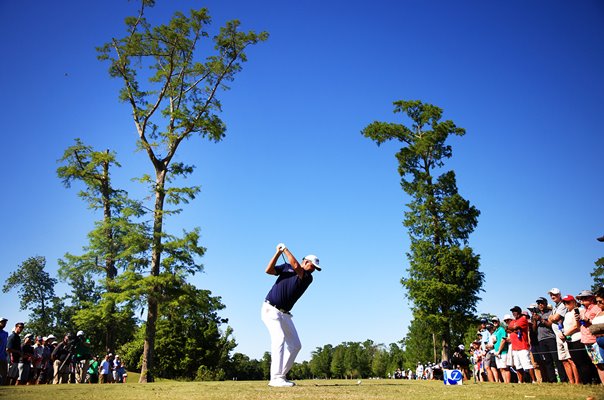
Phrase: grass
(307, 389)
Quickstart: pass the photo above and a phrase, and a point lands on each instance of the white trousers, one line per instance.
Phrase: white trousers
(285, 344)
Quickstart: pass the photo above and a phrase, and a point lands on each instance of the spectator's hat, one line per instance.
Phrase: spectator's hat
(532, 306)
(29, 336)
(585, 294)
(495, 318)
(483, 321)
(44, 338)
(516, 308)
(567, 298)
(554, 291)
(51, 337)
(507, 317)
(461, 347)
(541, 300)
(3, 319)
(80, 333)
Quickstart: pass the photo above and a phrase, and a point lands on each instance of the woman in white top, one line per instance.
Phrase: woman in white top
(572, 334)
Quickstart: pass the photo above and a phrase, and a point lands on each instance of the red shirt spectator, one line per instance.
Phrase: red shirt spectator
(519, 330)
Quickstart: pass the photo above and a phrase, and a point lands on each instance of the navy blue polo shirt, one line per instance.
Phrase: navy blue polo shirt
(288, 288)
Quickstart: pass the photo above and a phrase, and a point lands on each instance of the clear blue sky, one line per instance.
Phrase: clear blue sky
(523, 78)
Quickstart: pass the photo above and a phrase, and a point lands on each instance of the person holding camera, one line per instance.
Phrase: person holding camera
(572, 335)
(60, 358)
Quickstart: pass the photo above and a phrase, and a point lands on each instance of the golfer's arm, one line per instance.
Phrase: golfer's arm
(294, 263)
(270, 268)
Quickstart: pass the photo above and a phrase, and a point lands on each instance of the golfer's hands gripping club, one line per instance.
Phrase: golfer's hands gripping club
(281, 247)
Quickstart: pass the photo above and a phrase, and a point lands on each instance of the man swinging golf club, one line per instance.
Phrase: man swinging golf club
(293, 279)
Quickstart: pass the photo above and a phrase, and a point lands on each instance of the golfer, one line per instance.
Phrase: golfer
(293, 280)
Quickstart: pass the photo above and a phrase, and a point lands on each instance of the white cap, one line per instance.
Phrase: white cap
(462, 347)
(51, 336)
(554, 291)
(80, 333)
(507, 316)
(314, 260)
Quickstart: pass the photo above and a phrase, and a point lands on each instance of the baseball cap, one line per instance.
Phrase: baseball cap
(532, 306)
(314, 260)
(507, 317)
(541, 300)
(51, 337)
(80, 333)
(516, 308)
(568, 297)
(495, 319)
(585, 293)
(554, 291)
(3, 319)
(29, 335)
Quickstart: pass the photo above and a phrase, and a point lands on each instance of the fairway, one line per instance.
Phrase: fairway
(307, 389)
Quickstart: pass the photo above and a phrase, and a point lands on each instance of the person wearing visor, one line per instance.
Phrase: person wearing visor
(293, 278)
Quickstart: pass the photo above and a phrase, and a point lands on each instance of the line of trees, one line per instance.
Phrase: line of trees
(131, 265)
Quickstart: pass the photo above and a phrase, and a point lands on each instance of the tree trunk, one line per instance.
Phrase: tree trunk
(152, 301)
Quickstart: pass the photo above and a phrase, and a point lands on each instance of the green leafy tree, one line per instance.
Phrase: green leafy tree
(598, 272)
(117, 239)
(36, 291)
(443, 279)
(321, 361)
(241, 367)
(179, 102)
(396, 356)
(265, 364)
(191, 341)
(380, 363)
(301, 371)
(338, 366)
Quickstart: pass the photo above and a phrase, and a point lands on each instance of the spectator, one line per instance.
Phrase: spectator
(556, 319)
(572, 335)
(60, 359)
(93, 370)
(27, 356)
(37, 361)
(105, 369)
(47, 373)
(490, 365)
(535, 350)
(82, 356)
(13, 348)
(3, 353)
(460, 360)
(586, 314)
(547, 341)
(502, 358)
(518, 330)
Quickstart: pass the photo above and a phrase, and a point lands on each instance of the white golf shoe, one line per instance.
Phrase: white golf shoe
(280, 382)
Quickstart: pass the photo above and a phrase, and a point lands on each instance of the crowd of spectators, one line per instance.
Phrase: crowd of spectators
(45, 360)
(557, 341)
(561, 341)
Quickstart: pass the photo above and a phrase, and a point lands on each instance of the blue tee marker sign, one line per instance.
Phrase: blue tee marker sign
(452, 377)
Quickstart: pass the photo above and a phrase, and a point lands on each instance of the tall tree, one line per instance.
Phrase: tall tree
(36, 293)
(118, 240)
(182, 97)
(443, 279)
